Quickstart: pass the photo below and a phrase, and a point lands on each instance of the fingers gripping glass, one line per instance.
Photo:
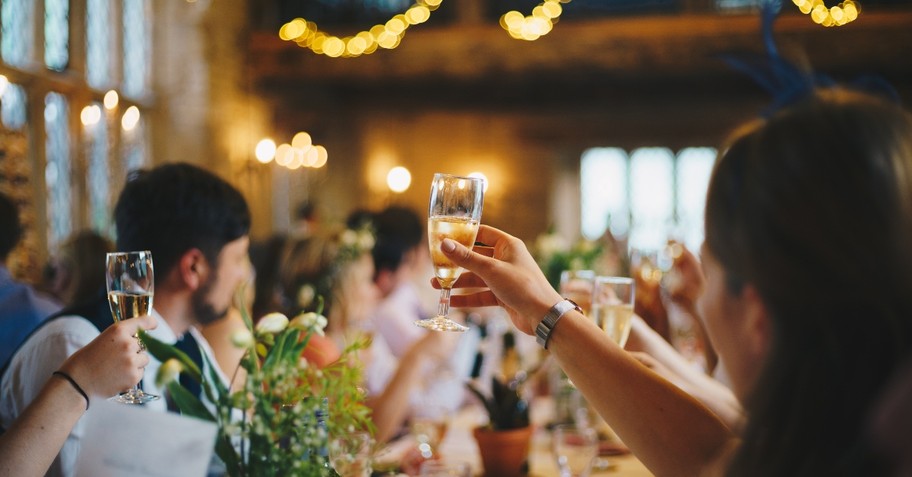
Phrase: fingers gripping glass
(130, 281)
(454, 213)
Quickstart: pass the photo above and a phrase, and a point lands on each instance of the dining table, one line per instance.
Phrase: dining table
(458, 445)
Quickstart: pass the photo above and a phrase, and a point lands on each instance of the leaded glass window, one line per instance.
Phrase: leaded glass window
(17, 31)
(99, 60)
(648, 196)
(13, 107)
(99, 176)
(135, 47)
(134, 153)
(56, 34)
(58, 173)
(651, 197)
(603, 189)
(694, 166)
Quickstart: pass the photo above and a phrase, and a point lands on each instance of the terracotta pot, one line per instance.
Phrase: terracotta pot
(504, 453)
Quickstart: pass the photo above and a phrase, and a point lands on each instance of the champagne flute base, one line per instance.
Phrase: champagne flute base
(134, 396)
(441, 323)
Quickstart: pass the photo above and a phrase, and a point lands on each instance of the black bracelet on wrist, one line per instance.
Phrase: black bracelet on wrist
(75, 385)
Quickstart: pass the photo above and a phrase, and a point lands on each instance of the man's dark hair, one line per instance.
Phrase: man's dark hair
(10, 227)
(176, 207)
(398, 230)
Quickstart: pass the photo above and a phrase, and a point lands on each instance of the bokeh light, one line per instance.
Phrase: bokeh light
(265, 150)
(399, 179)
(90, 115)
(130, 118)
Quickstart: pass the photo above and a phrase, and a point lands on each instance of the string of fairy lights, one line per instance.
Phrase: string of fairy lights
(307, 34)
(531, 27)
(837, 15)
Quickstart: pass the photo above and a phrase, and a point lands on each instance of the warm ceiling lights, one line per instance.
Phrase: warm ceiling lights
(837, 15)
(302, 152)
(387, 36)
(536, 25)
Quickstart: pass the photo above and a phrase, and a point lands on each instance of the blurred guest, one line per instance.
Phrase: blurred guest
(807, 334)
(195, 224)
(307, 220)
(77, 273)
(107, 365)
(337, 267)
(266, 259)
(218, 333)
(22, 309)
(400, 254)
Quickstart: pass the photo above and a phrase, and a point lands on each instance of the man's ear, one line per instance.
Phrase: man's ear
(758, 327)
(193, 268)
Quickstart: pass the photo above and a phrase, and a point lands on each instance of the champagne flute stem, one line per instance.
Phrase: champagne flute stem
(443, 307)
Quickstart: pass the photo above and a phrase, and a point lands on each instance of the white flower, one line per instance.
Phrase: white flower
(306, 295)
(310, 322)
(365, 240)
(167, 372)
(272, 323)
(349, 238)
(242, 338)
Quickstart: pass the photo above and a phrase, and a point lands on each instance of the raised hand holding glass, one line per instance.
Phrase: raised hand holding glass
(455, 213)
(130, 283)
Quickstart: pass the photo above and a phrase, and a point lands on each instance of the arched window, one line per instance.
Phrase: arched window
(58, 171)
(83, 170)
(56, 34)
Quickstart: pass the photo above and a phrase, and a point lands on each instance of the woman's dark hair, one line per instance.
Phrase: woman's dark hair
(176, 207)
(82, 257)
(10, 226)
(267, 258)
(399, 229)
(812, 208)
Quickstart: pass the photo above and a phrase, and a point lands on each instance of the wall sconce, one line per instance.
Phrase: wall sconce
(399, 179)
(300, 153)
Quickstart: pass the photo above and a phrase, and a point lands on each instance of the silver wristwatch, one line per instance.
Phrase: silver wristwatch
(544, 329)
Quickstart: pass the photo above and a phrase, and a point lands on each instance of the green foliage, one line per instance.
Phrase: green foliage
(279, 423)
(554, 255)
(506, 407)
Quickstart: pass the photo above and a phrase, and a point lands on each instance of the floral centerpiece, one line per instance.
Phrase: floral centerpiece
(554, 254)
(280, 422)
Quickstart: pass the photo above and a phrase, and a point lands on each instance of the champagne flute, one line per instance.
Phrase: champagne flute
(577, 286)
(612, 306)
(575, 449)
(454, 213)
(130, 289)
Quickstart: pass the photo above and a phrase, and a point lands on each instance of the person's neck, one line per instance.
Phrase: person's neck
(176, 309)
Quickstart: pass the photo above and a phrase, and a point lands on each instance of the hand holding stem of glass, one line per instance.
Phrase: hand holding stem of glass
(455, 213)
(130, 283)
(612, 306)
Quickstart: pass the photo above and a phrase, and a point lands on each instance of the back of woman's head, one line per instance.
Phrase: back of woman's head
(324, 265)
(812, 208)
(83, 257)
(307, 271)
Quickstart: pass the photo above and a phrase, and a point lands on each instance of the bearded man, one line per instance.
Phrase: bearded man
(196, 225)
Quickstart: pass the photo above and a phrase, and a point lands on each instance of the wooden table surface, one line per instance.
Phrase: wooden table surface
(459, 445)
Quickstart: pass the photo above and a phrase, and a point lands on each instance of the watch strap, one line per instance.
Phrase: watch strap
(546, 326)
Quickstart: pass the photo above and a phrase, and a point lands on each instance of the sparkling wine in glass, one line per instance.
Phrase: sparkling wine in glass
(454, 213)
(131, 287)
(612, 306)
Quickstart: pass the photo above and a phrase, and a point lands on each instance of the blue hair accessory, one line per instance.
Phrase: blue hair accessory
(785, 81)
